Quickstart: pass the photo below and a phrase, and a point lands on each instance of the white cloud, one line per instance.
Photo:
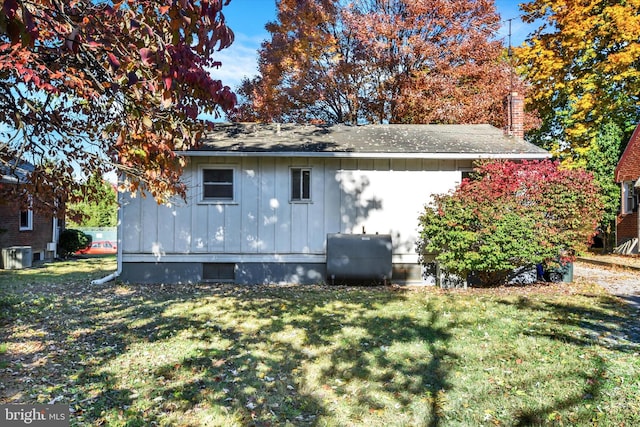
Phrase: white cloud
(239, 61)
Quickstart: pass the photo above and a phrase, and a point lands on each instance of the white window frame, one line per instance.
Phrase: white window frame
(29, 226)
(302, 198)
(628, 197)
(215, 200)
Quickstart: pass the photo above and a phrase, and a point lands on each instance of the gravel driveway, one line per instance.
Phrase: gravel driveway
(623, 283)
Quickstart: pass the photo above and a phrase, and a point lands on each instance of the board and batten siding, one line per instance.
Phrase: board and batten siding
(262, 224)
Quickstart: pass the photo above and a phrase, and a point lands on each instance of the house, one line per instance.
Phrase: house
(25, 234)
(627, 173)
(263, 199)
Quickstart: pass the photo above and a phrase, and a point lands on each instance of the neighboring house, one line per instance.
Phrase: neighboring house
(628, 175)
(25, 235)
(263, 198)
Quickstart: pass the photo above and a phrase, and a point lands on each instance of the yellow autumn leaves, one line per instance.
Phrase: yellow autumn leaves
(584, 61)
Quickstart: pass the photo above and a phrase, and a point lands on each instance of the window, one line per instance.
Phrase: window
(468, 174)
(217, 184)
(629, 199)
(26, 220)
(300, 184)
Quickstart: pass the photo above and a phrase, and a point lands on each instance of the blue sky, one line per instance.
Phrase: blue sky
(247, 19)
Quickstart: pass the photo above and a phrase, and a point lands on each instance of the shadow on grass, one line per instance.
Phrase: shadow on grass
(606, 323)
(252, 374)
(546, 414)
(270, 389)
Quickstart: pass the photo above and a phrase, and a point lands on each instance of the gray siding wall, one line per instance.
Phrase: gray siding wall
(263, 226)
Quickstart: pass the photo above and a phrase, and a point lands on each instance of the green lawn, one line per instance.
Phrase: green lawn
(311, 355)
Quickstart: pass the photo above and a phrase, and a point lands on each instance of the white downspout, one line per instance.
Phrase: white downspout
(118, 271)
(106, 279)
(55, 236)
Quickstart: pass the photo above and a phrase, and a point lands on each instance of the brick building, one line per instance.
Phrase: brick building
(628, 175)
(27, 233)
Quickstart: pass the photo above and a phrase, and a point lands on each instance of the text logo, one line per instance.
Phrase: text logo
(34, 415)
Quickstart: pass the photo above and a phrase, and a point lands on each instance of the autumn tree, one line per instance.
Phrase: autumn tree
(511, 215)
(310, 69)
(374, 61)
(583, 64)
(93, 86)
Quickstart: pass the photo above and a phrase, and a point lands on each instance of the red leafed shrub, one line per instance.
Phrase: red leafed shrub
(510, 215)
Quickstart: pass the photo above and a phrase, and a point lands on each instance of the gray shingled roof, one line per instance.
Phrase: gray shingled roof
(397, 140)
(15, 172)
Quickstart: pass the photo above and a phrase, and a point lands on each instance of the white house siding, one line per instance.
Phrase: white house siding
(263, 226)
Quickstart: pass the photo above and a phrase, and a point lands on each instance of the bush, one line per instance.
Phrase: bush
(72, 240)
(511, 215)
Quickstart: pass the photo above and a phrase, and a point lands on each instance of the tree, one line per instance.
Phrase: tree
(99, 210)
(584, 69)
(511, 215)
(310, 69)
(375, 61)
(601, 160)
(93, 86)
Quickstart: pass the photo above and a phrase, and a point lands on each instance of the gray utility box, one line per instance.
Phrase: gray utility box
(359, 258)
(16, 257)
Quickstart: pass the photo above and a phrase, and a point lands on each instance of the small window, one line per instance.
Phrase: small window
(629, 199)
(217, 184)
(26, 220)
(467, 175)
(300, 184)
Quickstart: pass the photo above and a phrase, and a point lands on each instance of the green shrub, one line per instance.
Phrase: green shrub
(72, 240)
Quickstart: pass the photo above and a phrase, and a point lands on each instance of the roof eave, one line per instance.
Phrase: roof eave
(325, 154)
(9, 179)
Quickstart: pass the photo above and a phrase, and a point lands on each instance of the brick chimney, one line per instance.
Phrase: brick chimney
(515, 115)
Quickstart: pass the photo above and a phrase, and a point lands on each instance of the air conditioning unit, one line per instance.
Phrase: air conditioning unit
(16, 257)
